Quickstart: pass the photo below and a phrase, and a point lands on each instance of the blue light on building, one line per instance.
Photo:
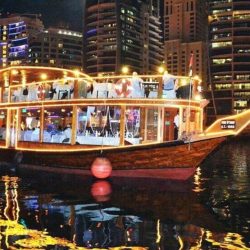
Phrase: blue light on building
(13, 41)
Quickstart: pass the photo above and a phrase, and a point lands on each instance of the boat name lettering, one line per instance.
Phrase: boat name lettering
(228, 124)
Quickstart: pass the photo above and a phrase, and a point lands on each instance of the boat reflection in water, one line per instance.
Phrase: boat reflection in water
(123, 214)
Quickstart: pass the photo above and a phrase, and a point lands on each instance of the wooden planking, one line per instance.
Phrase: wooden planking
(173, 156)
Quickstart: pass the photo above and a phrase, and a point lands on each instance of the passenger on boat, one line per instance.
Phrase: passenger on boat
(25, 93)
(47, 91)
(176, 125)
(82, 88)
(3, 132)
(183, 92)
(138, 90)
(55, 90)
(35, 123)
(16, 95)
(52, 91)
(168, 86)
(67, 133)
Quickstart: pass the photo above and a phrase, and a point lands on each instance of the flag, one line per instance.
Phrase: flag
(191, 65)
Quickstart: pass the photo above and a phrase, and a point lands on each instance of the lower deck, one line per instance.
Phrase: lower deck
(95, 125)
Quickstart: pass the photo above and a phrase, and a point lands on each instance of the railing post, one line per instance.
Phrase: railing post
(18, 126)
(122, 125)
(160, 87)
(76, 89)
(160, 124)
(74, 125)
(41, 125)
(180, 122)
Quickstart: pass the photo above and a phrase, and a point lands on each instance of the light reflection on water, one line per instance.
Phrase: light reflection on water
(51, 212)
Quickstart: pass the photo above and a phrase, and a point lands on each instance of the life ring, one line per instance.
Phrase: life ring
(41, 92)
(18, 157)
(123, 87)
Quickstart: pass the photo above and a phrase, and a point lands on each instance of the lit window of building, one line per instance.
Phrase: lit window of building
(229, 53)
(222, 60)
(221, 44)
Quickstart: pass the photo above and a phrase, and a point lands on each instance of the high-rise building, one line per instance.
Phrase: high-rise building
(57, 48)
(229, 56)
(14, 38)
(121, 33)
(185, 31)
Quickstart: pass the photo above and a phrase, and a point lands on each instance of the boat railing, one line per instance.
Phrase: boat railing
(130, 86)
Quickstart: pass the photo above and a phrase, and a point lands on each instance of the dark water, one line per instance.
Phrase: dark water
(211, 211)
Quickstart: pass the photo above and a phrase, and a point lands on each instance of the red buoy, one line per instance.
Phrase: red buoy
(101, 191)
(101, 168)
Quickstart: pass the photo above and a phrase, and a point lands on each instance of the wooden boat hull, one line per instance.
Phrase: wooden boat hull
(174, 160)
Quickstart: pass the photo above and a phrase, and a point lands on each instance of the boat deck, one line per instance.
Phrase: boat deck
(226, 126)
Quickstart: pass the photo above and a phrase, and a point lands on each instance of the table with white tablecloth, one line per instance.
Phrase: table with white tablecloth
(58, 138)
(95, 140)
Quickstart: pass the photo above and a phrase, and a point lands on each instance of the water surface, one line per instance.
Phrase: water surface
(211, 211)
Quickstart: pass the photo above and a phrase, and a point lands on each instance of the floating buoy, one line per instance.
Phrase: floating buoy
(101, 168)
(101, 191)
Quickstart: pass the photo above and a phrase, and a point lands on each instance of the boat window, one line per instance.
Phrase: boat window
(152, 124)
(30, 125)
(98, 125)
(57, 125)
(3, 120)
(5, 94)
(62, 90)
(84, 87)
(190, 122)
(193, 122)
(135, 125)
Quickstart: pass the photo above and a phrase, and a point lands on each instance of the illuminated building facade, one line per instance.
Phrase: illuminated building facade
(230, 56)
(119, 33)
(14, 38)
(57, 48)
(185, 34)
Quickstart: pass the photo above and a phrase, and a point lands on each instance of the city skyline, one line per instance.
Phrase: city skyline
(53, 13)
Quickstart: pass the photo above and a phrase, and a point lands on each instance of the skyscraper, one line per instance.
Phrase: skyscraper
(23, 40)
(229, 56)
(57, 48)
(14, 38)
(185, 31)
(122, 33)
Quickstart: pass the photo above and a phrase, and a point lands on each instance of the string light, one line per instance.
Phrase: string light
(44, 76)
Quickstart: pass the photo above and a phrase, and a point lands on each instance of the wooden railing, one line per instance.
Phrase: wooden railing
(233, 124)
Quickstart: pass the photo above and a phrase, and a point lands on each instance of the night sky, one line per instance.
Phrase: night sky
(60, 13)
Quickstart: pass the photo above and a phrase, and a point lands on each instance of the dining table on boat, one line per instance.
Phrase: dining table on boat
(58, 138)
(97, 140)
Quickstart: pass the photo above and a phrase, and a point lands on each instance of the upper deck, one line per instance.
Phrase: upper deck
(45, 108)
(22, 86)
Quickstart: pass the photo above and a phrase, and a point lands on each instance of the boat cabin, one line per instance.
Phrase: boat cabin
(55, 109)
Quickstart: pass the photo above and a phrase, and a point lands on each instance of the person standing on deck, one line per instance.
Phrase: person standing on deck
(137, 86)
(176, 125)
(168, 86)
